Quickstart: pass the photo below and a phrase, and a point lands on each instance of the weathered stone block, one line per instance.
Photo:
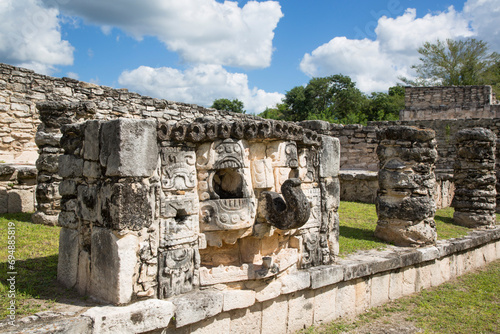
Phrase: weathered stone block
(67, 265)
(21, 200)
(329, 157)
(268, 291)
(218, 324)
(409, 280)
(113, 261)
(126, 206)
(294, 282)
(324, 304)
(380, 289)
(396, 285)
(128, 147)
(91, 143)
(70, 166)
(346, 300)
(139, 317)
(325, 275)
(197, 306)
(234, 299)
(83, 277)
(246, 321)
(300, 310)
(275, 316)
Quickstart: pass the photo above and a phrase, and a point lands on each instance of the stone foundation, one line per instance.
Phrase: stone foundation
(294, 302)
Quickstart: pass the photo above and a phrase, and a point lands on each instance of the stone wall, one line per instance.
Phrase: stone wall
(17, 188)
(456, 102)
(21, 89)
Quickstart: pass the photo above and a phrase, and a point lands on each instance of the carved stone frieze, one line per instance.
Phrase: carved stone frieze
(178, 270)
(227, 214)
(178, 168)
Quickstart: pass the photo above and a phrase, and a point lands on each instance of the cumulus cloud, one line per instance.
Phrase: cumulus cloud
(200, 84)
(484, 16)
(31, 37)
(376, 64)
(200, 31)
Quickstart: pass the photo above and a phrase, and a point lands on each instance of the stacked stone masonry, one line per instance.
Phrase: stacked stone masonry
(405, 200)
(431, 103)
(17, 188)
(152, 210)
(475, 178)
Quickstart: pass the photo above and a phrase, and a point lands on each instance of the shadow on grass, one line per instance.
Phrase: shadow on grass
(358, 233)
(20, 216)
(38, 278)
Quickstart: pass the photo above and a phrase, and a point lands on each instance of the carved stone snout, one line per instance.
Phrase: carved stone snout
(291, 212)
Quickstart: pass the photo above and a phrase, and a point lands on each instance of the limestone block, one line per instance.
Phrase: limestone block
(235, 299)
(67, 265)
(125, 205)
(219, 324)
(424, 276)
(83, 276)
(363, 296)
(91, 169)
(497, 246)
(70, 166)
(444, 265)
(275, 316)
(409, 280)
(308, 162)
(300, 310)
(246, 321)
(435, 272)
(489, 252)
(330, 193)
(324, 304)
(21, 200)
(326, 275)
(380, 289)
(268, 291)
(296, 281)
(175, 231)
(281, 174)
(113, 262)
(67, 188)
(262, 174)
(128, 147)
(478, 258)
(87, 201)
(396, 285)
(197, 306)
(48, 163)
(428, 253)
(139, 317)
(220, 154)
(345, 306)
(329, 157)
(283, 154)
(67, 219)
(91, 142)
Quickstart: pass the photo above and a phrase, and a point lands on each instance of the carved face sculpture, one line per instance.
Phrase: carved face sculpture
(225, 191)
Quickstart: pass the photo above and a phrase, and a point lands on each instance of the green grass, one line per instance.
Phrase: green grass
(36, 264)
(469, 304)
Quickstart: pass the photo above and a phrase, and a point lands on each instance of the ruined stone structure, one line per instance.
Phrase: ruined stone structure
(17, 185)
(457, 102)
(405, 201)
(475, 178)
(152, 209)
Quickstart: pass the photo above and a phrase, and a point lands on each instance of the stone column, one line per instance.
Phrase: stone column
(405, 200)
(475, 179)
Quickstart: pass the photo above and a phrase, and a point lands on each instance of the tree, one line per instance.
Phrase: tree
(334, 98)
(385, 106)
(449, 63)
(225, 104)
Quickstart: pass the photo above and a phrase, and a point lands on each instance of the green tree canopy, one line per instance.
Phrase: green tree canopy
(234, 105)
(449, 63)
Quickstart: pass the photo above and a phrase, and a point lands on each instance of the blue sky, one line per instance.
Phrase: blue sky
(195, 51)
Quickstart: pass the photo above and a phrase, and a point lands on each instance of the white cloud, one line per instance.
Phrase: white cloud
(72, 75)
(201, 31)
(376, 64)
(201, 85)
(30, 36)
(484, 15)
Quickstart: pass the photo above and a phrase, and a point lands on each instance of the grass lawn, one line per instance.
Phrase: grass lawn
(468, 304)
